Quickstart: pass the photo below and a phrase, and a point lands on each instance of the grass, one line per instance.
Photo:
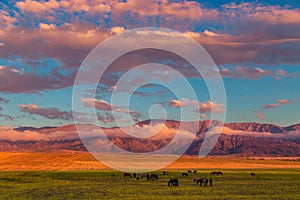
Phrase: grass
(234, 184)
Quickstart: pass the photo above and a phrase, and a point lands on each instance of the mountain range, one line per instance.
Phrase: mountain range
(236, 139)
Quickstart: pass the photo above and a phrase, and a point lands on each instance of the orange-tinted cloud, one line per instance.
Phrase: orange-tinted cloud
(259, 115)
(204, 107)
(49, 113)
(280, 102)
(283, 101)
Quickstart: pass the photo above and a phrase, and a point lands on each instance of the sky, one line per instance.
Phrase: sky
(254, 44)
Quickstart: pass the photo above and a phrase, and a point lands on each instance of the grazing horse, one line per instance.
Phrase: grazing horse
(127, 175)
(216, 173)
(210, 182)
(184, 174)
(195, 172)
(189, 171)
(219, 173)
(144, 176)
(202, 181)
(213, 173)
(153, 176)
(164, 173)
(173, 182)
(252, 174)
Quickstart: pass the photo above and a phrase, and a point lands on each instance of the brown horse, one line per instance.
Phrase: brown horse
(195, 172)
(173, 182)
(189, 171)
(127, 175)
(252, 174)
(213, 173)
(145, 176)
(184, 174)
(153, 176)
(216, 173)
(203, 181)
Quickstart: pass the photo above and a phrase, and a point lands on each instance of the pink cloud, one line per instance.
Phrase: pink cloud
(98, 104)
(105, 106)
(204, 107)
(36, 6)
(259, 115)
(283, 101)
(280, 102)
(49, 113)
(268, 106)
(251, 73)
(13, 80)
(203, 116)
(208, 107)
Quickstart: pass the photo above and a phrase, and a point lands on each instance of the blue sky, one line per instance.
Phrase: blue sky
(255, 45)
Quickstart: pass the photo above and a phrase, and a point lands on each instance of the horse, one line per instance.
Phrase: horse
(210, 182)
(134, 175)
(153, 176)
(219, 173)
(184, 174)
(195, 172)
(164, 173)
(189, 171)
(127, 175)
(252, 174)
(213, 173)
(144, 176)
(173, 182)
(201, 181)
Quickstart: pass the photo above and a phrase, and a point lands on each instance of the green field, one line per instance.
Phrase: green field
(234, 184)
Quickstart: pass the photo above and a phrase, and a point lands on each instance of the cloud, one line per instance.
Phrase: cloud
(251, 33)
(203, 116)
(49, 113)
(209, 107)
(268, 106)
(105, 106)
(98, 104)
(251, 73)
(182, 103)
(13, 80)
(259, 115)
(117, 29)
(36, 6)
(204, 107)
(280, 102)
(283, 101)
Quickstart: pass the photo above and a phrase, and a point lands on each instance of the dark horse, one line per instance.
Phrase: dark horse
(252, 174)
(184, 174)
(147, 176)
(164, 173)
(216, 173)
(127, 175)
(173, 182)
(189, 171)
(153, 176)
(203, 181)
(195, 172)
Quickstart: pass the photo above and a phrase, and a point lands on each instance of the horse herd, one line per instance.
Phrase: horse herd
(175, 181)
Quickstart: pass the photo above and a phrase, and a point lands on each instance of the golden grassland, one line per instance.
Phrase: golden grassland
(85, 161)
